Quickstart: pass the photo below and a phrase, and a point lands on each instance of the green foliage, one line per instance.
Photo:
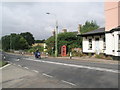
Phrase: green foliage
(50, 44)
(90, 54)
(33, 49)
(6, 42)
(89, 26)
(2, 63)
(14, 41)
(18, 42)
(69, 39)
(29, 37)
(102, 56)
(79, 54)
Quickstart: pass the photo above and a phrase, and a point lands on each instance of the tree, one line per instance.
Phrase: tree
(50, 44)
(69, 39)
(14, 41)
(6, 42)
(40, 41)
(29, 37)
(89, 26)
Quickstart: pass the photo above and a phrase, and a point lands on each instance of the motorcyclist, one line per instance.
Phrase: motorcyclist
(37, 54)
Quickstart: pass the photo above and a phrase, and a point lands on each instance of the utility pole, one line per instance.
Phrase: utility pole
(56, 41)
(56, 35)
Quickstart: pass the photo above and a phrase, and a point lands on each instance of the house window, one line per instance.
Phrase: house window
(90, 44)
(104, 43)
(118, 42)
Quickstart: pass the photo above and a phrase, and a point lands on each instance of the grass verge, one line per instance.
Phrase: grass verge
(2, 63)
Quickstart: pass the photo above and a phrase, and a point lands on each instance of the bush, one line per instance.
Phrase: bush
(90, 54)
(100, 56)
(33, 49)
(74, 53)
(2, 63)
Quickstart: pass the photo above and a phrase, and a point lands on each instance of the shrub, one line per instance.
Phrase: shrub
(100, 56)
(74, 53)
(33, 49)
(90, 54)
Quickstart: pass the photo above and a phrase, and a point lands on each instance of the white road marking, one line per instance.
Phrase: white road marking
(78, 66)
(19, 65)
(68, 83)
(35, 71)
(5, 66)
(47, 75)
(17, 59)
(26, 67)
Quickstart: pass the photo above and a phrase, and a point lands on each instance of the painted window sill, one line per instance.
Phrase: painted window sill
(89, 49)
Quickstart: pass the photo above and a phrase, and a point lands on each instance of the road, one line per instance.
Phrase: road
(77, 74)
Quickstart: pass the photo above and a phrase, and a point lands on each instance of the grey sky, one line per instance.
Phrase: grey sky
(31, 17)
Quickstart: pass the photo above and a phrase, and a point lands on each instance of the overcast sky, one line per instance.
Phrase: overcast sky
(32, 17)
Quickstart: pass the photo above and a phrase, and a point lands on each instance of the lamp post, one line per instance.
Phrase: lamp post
(56, 35)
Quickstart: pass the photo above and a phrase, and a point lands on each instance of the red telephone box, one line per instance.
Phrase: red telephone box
(63, 50)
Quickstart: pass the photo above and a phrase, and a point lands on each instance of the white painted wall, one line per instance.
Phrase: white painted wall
(112, 43)
(93, 50)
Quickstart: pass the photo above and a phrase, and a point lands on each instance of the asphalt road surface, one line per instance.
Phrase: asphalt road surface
(76, 73)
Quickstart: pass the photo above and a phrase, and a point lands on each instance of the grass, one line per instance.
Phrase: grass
(2, 63)
(102, 56)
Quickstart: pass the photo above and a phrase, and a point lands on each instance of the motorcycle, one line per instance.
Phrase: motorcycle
(37, 55)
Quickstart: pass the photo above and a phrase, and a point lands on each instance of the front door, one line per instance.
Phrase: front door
(97, 46)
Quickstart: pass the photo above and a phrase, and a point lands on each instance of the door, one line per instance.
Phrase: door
(97, 50)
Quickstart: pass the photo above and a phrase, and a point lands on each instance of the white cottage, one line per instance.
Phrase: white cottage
(94, 41)
(105, 40)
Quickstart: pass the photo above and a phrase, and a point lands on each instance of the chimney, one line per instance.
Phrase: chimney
(64, 30)
(53, 32)
(79, 29)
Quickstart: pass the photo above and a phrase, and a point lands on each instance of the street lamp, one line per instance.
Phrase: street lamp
(56, 34)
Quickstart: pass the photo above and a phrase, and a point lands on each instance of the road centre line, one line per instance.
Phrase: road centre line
(17, 60)
(68, 82)
(19, 65)
(77, 66)
(47, 75)
(26, 67)
(35, 71)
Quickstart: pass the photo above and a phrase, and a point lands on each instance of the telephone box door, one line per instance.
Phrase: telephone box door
(63, 50)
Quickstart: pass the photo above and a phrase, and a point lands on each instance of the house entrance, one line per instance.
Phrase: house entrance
(97, 46)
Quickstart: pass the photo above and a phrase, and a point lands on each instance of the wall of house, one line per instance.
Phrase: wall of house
(112, 44)
(112, 15)
(93, 50)
(112, 20)
(86, 45)
(119, 13)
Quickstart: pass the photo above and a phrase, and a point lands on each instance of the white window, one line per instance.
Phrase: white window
(90, 44)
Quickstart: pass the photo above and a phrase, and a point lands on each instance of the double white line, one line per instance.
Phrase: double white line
(77, 66)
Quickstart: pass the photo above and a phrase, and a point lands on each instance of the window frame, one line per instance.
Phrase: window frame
(104, 43)
(90, 44)
(118, 42)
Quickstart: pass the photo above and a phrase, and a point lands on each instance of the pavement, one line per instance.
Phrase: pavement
(59, 73)
(14, 76)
